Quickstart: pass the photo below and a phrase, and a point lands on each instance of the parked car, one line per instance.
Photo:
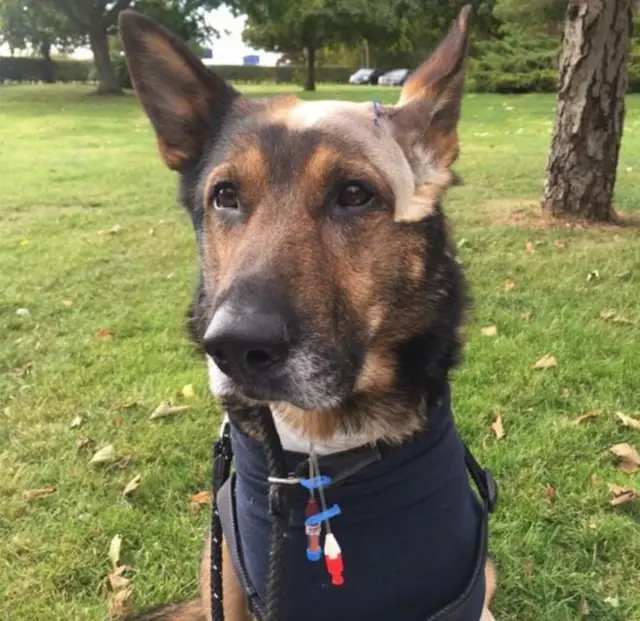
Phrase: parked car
(397, 77)
(366, 76)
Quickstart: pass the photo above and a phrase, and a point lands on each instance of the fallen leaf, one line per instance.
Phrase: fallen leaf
(84, 443)
(550, 493)
(583, 607)
(76, 422)
(118, 421)
(114, 230)
(116, 579)
(114, 550)
(104, 334)
(67, 303)
(530, 247)
(132, 485)
(593, 275)
(611, 315)
(489, 331)
(129, 405)
(526, 315)
(622, 495)
(565, 392)
(152, 232)
(585, 417)
(497, 425)
(166, 409)
(36, 494)
(23, 312)
(628, 456)
(509, 284)
(614, 602)
(188, 392)
(546, 362)
(201, 498)
(561, 243)
(593, 480)
(527, 569)
(627, 421)
(119, 606)
(105, 455)
(124, 461)
(24, 242)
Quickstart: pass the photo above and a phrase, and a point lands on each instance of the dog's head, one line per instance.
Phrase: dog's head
(328, 287)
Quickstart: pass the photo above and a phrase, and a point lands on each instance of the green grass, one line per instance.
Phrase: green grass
(73, 166)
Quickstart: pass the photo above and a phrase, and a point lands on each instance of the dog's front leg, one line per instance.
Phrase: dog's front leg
(235, 602)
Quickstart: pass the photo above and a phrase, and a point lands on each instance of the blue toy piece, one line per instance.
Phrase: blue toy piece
(314, 556)
(318, 518)
(316, 482)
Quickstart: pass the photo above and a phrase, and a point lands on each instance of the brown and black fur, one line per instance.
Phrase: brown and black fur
(373, 297)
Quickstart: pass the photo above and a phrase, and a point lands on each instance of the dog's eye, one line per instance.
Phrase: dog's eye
(225, 196)
(354, 195)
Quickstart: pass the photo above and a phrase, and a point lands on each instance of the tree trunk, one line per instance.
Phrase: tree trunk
(581, 171)
(49, 68)
(109, 84)
(310, 84)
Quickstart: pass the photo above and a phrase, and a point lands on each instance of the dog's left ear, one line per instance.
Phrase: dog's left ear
(185, 102)
(426, 116)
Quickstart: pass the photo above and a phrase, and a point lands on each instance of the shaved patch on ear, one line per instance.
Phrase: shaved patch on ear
(184, 101)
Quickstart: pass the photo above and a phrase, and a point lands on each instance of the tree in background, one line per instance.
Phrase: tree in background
(28, 24)
(581, 171)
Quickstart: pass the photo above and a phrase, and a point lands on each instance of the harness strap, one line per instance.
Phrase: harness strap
(225, 513)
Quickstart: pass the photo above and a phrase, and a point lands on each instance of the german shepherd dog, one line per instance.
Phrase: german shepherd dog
(329, 287)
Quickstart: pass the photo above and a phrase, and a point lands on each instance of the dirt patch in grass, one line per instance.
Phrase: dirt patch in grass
(526, 213)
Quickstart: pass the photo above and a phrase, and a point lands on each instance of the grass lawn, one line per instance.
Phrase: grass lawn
(103, 340)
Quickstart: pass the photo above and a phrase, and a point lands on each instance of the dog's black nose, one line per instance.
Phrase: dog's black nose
(245, 342)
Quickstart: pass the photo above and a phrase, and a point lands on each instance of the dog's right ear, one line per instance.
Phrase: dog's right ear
(185, 102)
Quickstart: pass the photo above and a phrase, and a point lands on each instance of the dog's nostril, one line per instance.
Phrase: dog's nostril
(259, 359)
(219, 357)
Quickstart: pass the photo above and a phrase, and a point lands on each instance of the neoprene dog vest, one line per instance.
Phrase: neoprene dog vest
(412, 533)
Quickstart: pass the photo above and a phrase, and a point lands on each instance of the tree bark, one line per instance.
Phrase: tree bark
(109, 84)
(49, 68)
(590, 109)
(310, 84)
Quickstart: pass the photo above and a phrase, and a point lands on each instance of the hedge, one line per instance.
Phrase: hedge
(510, 65)
(24, 69)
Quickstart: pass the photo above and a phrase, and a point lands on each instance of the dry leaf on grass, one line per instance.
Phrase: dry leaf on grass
(509, 284)
(36, 494)
(527, 569)
(129, 405)
(106, 454)
(119, 604)
(622, 495)
(118, 421)
(583, 607)
(188, 392)
(117, 580)
(166, 409)
(612, 315)
(67, 303)
(124, 461)
(526, 315)
(546, 362)
(614, 602)
(114, 230)
(561, 243)
(23, 312)
(530, 247)
(593, 480)
(585, 417)
(628, 421)
(497, 425)
(104, 334)
(628, 456)
(76, 422)
(114, 550)
(550, 493)
(84, 443)
(200, 498)
(593, 275)
(132, 485)
(489, 331)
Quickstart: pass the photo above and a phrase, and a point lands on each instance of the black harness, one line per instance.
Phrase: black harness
(339, 466)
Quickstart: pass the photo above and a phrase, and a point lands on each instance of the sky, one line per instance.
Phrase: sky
(227, 50)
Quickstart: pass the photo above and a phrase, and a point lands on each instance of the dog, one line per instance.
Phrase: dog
(329, 290)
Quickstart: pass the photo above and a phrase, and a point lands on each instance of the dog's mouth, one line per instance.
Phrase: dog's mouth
(306, 380)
